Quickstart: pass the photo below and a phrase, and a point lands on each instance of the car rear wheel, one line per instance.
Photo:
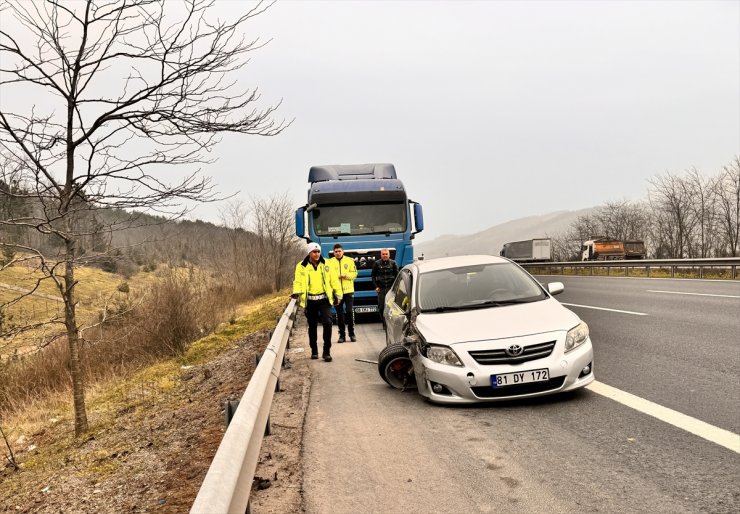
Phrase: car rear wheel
(396, 368)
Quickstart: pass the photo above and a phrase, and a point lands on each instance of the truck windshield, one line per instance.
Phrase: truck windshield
(350, 219)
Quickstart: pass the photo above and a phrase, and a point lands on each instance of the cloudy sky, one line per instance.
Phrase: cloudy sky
(490, 110)
(493, 111)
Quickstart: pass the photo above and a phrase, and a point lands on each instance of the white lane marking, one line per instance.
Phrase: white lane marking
(694, 294)
(603, 309)
(704, 430)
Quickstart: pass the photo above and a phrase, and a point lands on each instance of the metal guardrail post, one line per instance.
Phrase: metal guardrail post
(228, 483)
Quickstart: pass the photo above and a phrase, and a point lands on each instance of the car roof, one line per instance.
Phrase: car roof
(457, 262)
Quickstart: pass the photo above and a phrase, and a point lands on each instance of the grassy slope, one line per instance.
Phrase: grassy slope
(42, 435)
(95, 289)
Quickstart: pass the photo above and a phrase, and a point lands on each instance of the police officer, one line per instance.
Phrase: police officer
(317, 288)
(345, 270)
(383, 275)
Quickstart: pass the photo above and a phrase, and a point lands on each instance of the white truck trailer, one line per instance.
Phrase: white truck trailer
(531, 250)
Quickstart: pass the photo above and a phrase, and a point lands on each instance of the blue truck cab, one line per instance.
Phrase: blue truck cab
(364, 207)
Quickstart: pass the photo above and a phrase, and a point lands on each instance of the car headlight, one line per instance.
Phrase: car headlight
(576, 336)
(442, 355)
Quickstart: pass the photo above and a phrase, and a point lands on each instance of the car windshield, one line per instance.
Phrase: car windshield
(473, 287)
(375, 218)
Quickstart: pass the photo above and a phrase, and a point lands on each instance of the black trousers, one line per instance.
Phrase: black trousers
(346, 318)
(319, 311)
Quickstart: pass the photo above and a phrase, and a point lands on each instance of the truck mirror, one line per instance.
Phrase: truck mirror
(418, 218)
(300, 230)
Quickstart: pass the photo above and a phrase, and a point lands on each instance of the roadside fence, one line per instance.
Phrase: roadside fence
(228, 483)
(673, 266)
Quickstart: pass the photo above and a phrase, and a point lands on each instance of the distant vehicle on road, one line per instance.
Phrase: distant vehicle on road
(531, 250)
(634, 249)
(479, 328)
(602, 249)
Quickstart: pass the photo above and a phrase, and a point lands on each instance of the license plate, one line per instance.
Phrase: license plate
(366, 309)
(520, 377)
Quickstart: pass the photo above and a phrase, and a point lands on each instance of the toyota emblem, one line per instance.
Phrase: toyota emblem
(514, 350)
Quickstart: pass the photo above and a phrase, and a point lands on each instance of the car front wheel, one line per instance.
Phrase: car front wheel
(396, 368)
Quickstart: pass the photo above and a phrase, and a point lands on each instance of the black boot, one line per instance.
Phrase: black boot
(326, 355)
(314, 352)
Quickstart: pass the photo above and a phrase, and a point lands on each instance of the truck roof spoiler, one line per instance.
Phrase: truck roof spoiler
(351, 172)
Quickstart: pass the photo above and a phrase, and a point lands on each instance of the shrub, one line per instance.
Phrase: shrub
(181, 307)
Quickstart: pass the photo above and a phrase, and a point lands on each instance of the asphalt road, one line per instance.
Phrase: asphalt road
(369, 448)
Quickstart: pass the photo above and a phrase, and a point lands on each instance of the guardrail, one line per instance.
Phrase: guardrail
(731, 263)
(228, 483)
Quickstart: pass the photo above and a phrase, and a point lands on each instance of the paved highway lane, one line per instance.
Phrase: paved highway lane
(369, 448)
(684, 354)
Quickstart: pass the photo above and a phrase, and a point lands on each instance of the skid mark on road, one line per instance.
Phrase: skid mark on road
(704, 430)
(694, 294)
(604, 309)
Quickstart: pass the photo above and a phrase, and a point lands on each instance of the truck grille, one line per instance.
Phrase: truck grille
(530, 353)
(364, 285)
(364, 259)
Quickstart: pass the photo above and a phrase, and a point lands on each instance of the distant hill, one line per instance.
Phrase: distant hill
(491, 240)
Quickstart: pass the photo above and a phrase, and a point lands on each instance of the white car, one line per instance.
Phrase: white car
(480, 328)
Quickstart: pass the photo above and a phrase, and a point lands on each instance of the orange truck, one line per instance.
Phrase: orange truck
(602, 249)
(634, 249)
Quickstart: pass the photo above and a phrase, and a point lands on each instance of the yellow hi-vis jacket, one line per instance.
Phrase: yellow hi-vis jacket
(345, 266)
(315, 281)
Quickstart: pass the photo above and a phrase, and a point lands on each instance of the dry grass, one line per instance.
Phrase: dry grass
(95, 291)
(137, 386)
(128, 331)
(125, 412)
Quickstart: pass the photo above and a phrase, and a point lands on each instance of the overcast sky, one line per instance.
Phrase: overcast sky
(491, 111)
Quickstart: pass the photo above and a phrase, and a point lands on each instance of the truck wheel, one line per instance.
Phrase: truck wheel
(396, 368)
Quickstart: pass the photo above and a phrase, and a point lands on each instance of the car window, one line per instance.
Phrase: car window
(401, 296)
(476, 286)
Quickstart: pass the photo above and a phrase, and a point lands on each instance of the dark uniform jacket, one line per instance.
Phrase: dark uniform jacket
(384, 273)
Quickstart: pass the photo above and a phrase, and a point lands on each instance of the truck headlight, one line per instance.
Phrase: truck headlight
(576, 336)
(442, 355)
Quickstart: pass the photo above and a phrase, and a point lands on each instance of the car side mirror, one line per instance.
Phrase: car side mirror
(555, 288)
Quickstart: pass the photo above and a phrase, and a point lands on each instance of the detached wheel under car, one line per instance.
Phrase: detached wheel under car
(396, 368)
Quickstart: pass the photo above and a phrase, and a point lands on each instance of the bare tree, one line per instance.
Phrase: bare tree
(234, 217)
(120, 91)
(727, 194)
(623, 220)
(273, 222)
(674, 220)
(700, 190)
